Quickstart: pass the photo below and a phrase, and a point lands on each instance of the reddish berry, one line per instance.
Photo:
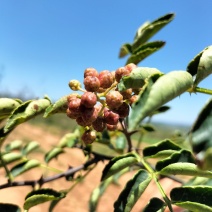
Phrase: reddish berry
(81, 122)
(123, 110)
(130, 66)
(99, 124)
(113, 75)
(91, 83)
(88, 99)
(105, 79)
(89, 115)
(111, 117)
(74, 105)
(114, 99)
(133, 99)
(127, 93)
(120, 72)
(89, 137)
(71, 114)
(72, 96)
(111, 127)
(101, 90)
(90, 72)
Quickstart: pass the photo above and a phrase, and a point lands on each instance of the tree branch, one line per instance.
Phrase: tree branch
(43, 180)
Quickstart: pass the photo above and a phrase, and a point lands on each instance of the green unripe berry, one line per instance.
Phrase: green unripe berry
(74, 85)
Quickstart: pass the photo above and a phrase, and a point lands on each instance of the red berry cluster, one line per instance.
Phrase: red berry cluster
(101, 105)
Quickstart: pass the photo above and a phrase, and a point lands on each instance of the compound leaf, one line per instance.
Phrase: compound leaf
(132, 191)
(118, 163)
(40, 196)
(166, 88)
(53, 153)
(194, 198)
(24, 166)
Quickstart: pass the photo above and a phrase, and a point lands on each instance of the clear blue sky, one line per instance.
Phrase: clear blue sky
(45, 43)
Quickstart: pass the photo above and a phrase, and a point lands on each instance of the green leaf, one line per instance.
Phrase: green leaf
(193, 64)
(154, 205)
(132, 191)
(137, 78)
(160, 146)
(60, 106)
(148, 127)
(140, 30)
(182, 168)
(53, 153)
(26, 111)
(161, 109)
(31, 146)
(7, 207)
(166, 88)
(183, 156)
(199, 181)
(10, 157)
(40, 196)
(194, 198)
(69, 140)
(118, 163)
(24, 166)
(201, 132)
(97, 193)
(13, 145)
(125, 50)
(7, 106)
(146, 31)
(120, 142)
(201, 65)
(55, 202)
(144, 51)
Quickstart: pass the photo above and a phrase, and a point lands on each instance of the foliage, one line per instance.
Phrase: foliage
(148, 90)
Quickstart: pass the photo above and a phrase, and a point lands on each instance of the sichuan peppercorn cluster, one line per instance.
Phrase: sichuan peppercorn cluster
(101, 105)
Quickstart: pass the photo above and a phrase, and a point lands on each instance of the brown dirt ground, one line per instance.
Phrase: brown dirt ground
(77, 199)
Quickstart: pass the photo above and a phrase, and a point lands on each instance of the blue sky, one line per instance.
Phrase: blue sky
(44, 44)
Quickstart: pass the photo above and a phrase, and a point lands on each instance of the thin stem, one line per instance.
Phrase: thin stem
(109, 89)
(139, 141)
(200, 90)
(10, 177)
(203, 90)
(127, 135)
(51, 168)
(154, 176)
